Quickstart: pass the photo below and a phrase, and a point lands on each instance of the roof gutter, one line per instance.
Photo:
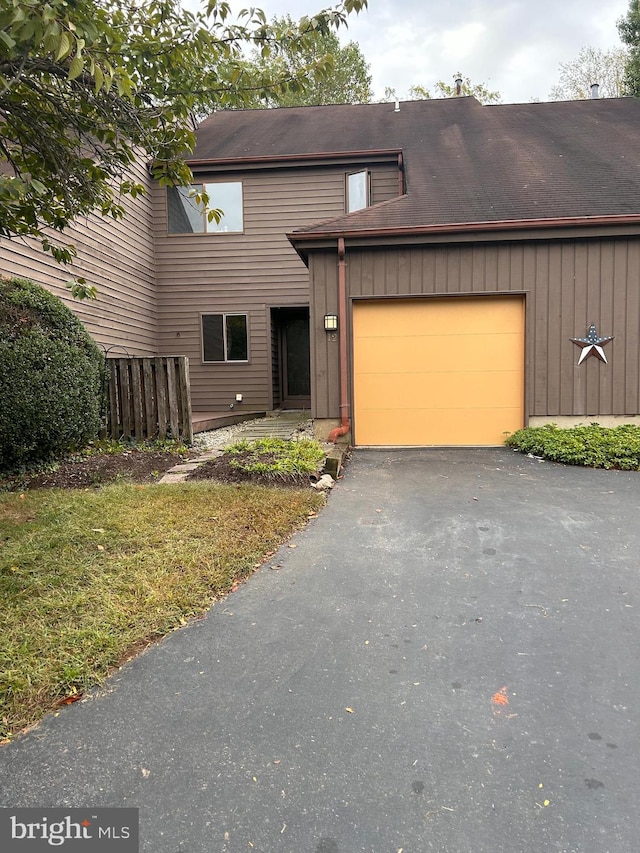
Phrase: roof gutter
(466, 227)
(392, 153)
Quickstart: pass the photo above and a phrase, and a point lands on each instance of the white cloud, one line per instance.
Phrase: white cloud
(462, 42)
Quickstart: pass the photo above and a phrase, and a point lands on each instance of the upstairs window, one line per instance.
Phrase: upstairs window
(358, 190)
(224, 337)
(186, 216)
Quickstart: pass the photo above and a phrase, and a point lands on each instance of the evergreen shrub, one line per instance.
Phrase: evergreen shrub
(51, 377)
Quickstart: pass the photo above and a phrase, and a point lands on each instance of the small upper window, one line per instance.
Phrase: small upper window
(224, 337)
(186, 216)
(358, 190)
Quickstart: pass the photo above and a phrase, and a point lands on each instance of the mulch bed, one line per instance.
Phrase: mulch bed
(132, 466)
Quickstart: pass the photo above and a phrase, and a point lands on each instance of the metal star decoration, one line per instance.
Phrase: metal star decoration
(592, 344)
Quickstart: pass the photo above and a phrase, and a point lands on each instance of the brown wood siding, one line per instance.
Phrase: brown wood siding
(118, 258)
(568, 285)
(250, 272)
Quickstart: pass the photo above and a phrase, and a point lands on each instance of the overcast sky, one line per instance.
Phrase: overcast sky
(514, 46)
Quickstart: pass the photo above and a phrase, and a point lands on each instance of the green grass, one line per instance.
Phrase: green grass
(276, 457)
(87, 577)
(593, 445)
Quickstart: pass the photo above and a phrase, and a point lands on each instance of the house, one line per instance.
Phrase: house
(415, 273)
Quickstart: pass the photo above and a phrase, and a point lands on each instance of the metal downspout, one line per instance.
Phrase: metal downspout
(345, 421)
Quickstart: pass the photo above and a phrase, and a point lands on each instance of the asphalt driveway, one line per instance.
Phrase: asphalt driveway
(447, 660)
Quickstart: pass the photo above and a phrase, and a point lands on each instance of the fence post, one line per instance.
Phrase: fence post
(185, 399)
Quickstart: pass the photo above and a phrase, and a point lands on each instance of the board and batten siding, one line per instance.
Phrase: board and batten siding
(117, 256)
(567, 284)
(250, 273)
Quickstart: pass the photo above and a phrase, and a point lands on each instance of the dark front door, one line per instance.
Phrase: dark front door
(295, 364)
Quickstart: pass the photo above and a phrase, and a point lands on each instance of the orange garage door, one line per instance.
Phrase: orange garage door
(438, 371)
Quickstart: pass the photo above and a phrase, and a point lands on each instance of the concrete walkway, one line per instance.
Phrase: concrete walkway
(446, 661)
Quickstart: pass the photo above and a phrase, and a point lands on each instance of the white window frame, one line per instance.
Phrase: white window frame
(367, 190)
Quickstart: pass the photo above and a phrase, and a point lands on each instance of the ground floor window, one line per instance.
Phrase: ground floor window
(225, 337)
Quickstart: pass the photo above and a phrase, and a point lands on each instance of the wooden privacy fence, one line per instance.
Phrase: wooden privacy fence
(149, 398)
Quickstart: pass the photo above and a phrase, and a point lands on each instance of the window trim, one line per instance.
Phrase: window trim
(224, 315)
(348, 175)
(207, 230)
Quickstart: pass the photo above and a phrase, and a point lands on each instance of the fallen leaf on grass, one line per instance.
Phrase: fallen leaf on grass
(69, 700)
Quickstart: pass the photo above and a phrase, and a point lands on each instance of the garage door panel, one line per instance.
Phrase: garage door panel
(445, 427)
(436, 352)
(467, 389)
(429, 315)
(443, 371)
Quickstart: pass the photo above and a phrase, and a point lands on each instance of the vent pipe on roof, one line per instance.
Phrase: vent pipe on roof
(595, 90)
(397, 109)
(458, 82)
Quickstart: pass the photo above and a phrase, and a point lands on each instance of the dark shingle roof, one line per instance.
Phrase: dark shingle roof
(465, 163)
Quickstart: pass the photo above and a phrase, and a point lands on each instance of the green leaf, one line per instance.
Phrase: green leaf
(64, 46)
(98, 77)
(75, 67)
(6, 38)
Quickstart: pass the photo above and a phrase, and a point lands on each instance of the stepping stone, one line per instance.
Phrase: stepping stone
(172, 478)
(210, 454)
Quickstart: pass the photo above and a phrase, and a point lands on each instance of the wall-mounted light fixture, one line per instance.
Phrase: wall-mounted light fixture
(331, 322)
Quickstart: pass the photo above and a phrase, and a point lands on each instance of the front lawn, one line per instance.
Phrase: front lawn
(88, 577)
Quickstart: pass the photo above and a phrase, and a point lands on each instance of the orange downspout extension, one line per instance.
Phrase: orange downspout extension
(345, 421)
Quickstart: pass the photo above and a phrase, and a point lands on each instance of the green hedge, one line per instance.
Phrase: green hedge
(51, 377)
(594, 446)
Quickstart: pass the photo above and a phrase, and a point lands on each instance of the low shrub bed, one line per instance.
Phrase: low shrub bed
(594, 446)
(271, 461)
